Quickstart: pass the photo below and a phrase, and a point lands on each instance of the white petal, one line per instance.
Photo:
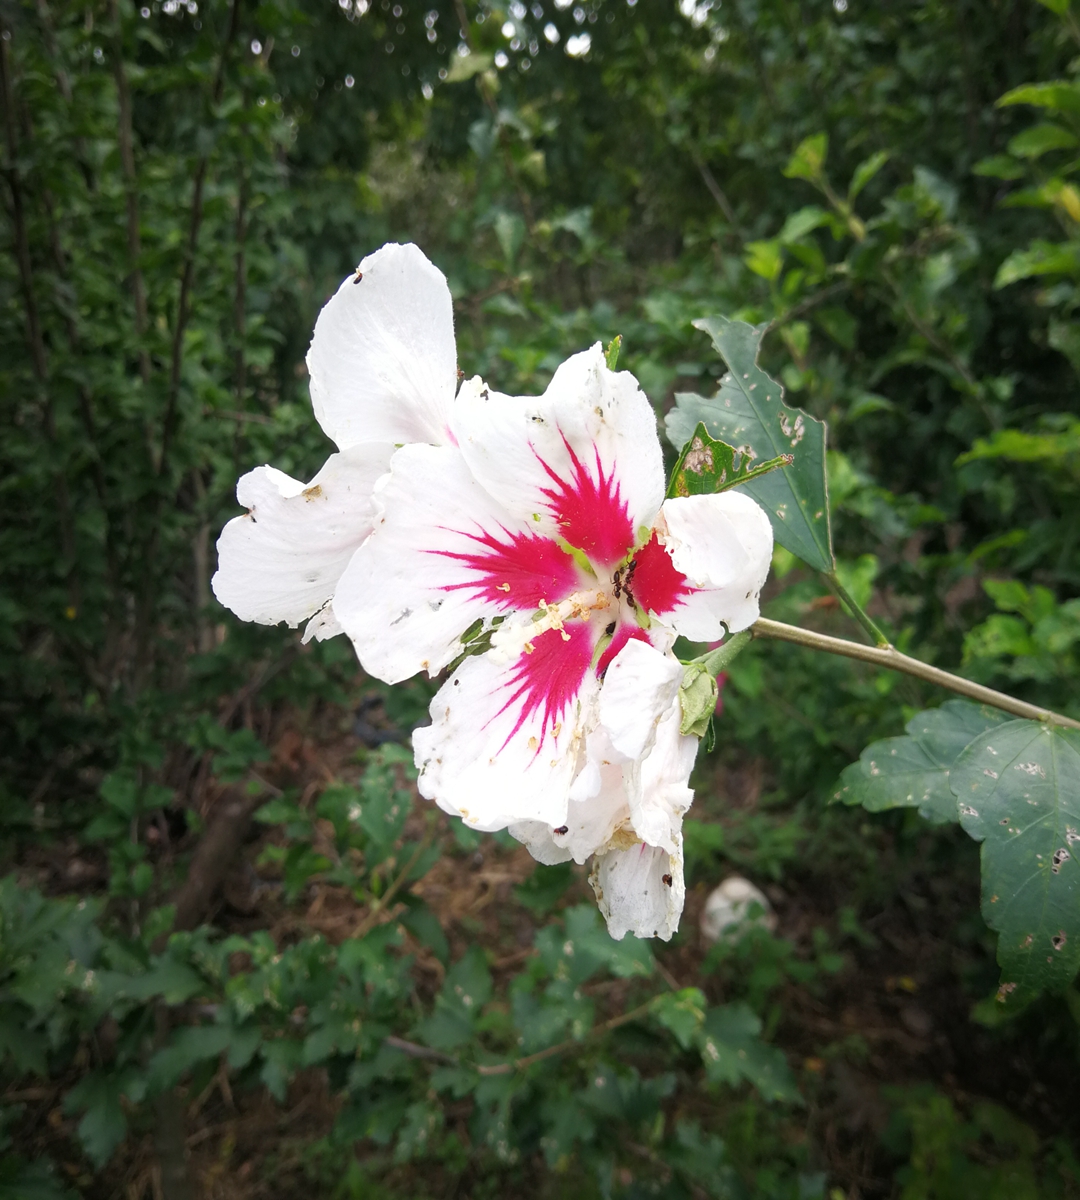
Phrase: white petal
(442, 555)
(283, 559)
(723, 545)
(382, 361)
(598, 813)
(640, 890)
(538, 839)
(640, 686)
(583, 461)
(496, 754)
(658, 785)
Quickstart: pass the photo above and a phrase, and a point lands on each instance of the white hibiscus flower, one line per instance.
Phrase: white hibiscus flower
(383, 369)
(542, 531)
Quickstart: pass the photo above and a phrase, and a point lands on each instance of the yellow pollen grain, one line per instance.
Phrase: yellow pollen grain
(529, 647)
(503, 587)
(556, 729)
(533, 743)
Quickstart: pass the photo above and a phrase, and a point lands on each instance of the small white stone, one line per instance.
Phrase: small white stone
(733, 908)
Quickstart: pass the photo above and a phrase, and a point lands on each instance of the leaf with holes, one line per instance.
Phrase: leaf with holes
(1018, 787)
(706, 466)
(913, 771)
(749, 412)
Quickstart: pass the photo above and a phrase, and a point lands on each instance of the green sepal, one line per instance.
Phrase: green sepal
(698, 694)
(611, 353)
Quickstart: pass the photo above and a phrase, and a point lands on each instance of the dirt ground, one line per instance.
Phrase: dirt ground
(897, 1012)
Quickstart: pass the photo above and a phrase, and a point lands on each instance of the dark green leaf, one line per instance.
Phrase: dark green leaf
(749, 412)
(104, 1125)
(1018, 788)
(913, 771)
(733, 1051)
(681, 1013)
(706, 466)
(187, 1048)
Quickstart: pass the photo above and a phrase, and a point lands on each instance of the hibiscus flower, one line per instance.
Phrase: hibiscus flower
(536, 557)
(383, 371)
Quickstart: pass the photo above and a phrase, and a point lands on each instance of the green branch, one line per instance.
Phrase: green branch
(890, 658)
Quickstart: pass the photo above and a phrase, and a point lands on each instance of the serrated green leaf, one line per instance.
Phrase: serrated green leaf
(914, 771)
(1018, 788)
(707, 466)
(749, 411)
(733, 1051)
(104, 1126)
(865, 171)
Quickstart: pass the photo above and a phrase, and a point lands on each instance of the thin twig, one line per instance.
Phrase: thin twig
(856, 609)
(33, 320)
(893, 660)
(382, 903)
(131, 191)
(187, 277)
(804, 306)
(413, 1050)
(716, 191)
(521, 1064)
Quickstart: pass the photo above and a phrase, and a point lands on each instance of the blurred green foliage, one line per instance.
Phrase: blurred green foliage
(889, 189)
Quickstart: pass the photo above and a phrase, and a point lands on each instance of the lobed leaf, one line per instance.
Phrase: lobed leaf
(748, 412)
(914, 771)
(1018, 787)
(732, 1051)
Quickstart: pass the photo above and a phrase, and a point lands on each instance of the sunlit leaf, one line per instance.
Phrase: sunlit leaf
(1040, 139)
(809, 158)
(865, 171)
(1058, 96)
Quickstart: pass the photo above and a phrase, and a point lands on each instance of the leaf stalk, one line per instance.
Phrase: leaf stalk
(891, 658)
(857, 611)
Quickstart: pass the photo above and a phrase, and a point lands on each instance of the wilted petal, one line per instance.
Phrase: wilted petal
(443, 554)
(640, 890)
(658, 785)
(705, 567)
(283, 559)
(539, 840)
(598, 808)
(640, 686)
(582, 462)
(506, 739)
(382, 361)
